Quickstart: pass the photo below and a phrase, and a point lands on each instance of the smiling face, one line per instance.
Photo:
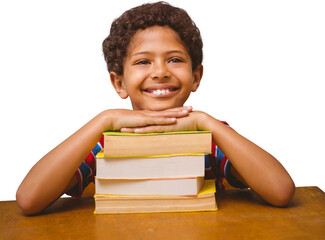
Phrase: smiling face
(157, 71)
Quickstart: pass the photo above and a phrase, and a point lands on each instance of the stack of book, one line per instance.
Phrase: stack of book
(156, 172)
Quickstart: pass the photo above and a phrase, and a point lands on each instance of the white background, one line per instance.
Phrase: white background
(264, 74)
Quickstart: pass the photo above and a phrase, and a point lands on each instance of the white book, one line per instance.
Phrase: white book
(169, 186)
(150, 167)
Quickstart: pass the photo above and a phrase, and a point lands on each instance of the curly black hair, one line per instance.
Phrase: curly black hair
(148, 15)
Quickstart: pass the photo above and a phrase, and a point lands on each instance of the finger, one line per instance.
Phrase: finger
(144, 121)
(179, 110)
(157, 121)
(127, 130)
(187, 108)
(154, 129)
(173, 112)
(147, 129)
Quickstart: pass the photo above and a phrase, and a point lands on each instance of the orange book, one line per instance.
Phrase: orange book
(117, 144)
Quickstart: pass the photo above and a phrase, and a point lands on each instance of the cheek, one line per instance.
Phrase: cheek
(187, 79)
(185, 74)
(134, 79)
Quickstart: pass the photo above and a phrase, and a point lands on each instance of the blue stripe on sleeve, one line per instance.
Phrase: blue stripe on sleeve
(96, 149)
(231, 179)
(207, 161)
(85, 172)
(219, 156)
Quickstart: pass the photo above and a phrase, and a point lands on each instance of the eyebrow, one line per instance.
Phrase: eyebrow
(168, 52)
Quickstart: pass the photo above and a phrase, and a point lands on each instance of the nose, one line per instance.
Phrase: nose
(160, 70)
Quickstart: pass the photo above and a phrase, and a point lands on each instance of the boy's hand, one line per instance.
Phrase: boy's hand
(190, 122)
(125, 120)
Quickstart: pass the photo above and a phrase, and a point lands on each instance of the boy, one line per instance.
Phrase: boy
(154, 56)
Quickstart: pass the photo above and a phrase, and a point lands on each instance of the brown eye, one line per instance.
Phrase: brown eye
(175, 60)
(142, 62)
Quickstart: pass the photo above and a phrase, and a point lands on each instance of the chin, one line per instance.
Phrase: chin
(161, 107)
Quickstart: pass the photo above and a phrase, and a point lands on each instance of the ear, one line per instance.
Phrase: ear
(118, 84)
(197, 76)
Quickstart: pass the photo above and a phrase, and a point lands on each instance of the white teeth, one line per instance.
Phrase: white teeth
(160, 91)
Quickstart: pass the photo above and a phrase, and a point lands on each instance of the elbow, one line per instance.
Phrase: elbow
(283, 194)
(26, 203)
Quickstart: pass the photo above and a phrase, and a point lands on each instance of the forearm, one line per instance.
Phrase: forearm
(259, 169)
(51, 175)
(48, 178)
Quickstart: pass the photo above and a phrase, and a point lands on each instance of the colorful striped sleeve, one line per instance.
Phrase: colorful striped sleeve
(87, 171)
(224, 168)
(221, 166)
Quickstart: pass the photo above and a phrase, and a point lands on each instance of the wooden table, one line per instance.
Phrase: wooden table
(241, 215)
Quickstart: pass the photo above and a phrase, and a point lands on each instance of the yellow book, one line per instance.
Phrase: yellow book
(113, 204)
